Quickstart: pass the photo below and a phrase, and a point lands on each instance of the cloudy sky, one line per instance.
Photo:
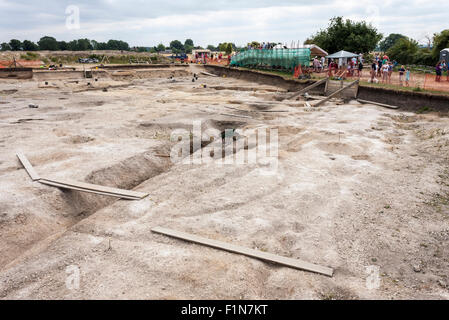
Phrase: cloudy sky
(147, 23)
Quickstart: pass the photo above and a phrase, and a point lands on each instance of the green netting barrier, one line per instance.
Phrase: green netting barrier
(272, 58)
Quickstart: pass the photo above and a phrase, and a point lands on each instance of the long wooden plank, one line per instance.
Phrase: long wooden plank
(316, 84)
(208, 74)
(28, 167)
(378, 104)
(92, 187)
(64, 186)
(289, 262)
(335, 93)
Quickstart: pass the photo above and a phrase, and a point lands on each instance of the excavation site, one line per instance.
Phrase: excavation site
(185, 181)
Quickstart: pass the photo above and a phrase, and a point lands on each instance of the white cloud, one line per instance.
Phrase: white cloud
(210, 22)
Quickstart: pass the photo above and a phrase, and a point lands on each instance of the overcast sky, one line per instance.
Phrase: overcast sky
(147, 23)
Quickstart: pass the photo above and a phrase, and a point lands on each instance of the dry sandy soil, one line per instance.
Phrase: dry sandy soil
(356, 186)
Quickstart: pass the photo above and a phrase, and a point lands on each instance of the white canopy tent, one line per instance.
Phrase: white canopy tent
(342, 56)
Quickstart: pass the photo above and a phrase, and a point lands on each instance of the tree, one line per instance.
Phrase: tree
(440, 42)
(28, 45)
(229, 49)
(390, 41)
(188, 49)
(48, 43)
(404, 51)
(189, 42)
(16, 45)
(84, 45)
(160, 47)
(211, 48)
(63, 46)
(5, 47)
(358, 37)
(424, 57)
(117, 45)
(176, 46)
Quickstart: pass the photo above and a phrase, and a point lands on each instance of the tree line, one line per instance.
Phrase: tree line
(51, 44)
(361, 37)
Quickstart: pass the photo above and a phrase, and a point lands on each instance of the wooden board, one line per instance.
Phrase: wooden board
(92, 188)
(316, 84)
(28, 167)
(289, 262)
(336, 93)
(378, 104)
(208, 74)
(64, 186)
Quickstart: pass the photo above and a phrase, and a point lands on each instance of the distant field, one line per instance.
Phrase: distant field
(70, 57)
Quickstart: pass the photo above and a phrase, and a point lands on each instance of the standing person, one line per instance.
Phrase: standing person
(374, 67)
(323, 61)
(407, 77)
(390, 71)
(360, 69)
(438, 72)
(385, 68)
(379, 69)
(401, 75)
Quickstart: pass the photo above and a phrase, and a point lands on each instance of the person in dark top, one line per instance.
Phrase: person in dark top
(401, 75)
(438, 72)
(373, 70)
(360, 69)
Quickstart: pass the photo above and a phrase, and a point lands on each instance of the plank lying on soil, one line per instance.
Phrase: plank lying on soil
(235, 115)
(92, 188)
(289, 262)
(64, 186)
(28, 167)
(208, 74)
(378, 104)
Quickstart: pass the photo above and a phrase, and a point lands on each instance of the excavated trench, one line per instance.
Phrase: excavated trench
(131, 172)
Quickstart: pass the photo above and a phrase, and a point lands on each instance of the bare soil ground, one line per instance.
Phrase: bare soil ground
(356, 186)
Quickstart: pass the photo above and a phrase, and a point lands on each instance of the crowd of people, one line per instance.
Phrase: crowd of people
(264, 45)
(383, 68)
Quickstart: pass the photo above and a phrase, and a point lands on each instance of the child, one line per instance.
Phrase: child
(407, 77)
(401, 75)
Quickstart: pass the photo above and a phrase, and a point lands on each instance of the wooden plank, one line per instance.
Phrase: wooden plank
(378, 104)
(335, 93)
(28, 167)
(63, 186)
(208, 74)
(316, 84)
(289, 262)
(96, 188)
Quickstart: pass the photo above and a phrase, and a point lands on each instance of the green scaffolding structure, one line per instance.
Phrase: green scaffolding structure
(272, 58)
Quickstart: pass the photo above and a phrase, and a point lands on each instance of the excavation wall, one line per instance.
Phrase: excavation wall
(406, 100)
